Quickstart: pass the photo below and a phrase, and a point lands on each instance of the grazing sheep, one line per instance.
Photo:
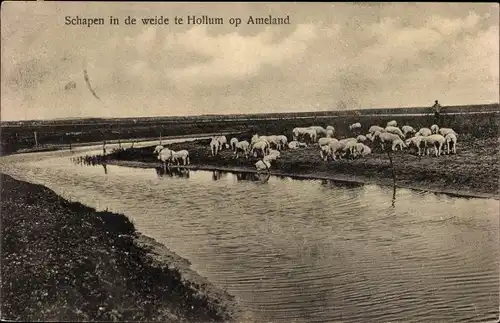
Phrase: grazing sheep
(283, 141)
(374, 129)
(293, 144)
(298, 132)
(370, 136)
(392, 123)
(233, 143)
(263, 165)
(395, 130)
(361, 150)
(334, 150)
(346, 140)
(451, 140)
(242, 147)
(222, 142)
(424, 132)
(181, 155)
(407, 130)
(416, 142)
(355, 126)
(158, 149)
(311, 133)
(349, 148)
(273, 152)
(261, 146)
(444, 131)
(330, 133)
(319, 130)
(398, 143)
(389, 138)
(437, 141)
(165, 155)
(366, 150)
(434, 128)
(361, 138)
(325, 141)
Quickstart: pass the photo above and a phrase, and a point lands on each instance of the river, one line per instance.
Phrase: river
(303, 250)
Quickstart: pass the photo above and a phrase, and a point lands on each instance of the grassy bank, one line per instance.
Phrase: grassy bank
(472, 172)
(15, 137)
(63, 261)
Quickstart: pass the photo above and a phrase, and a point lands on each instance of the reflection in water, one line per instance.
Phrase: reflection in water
(393, 195)
(172, 172)
(105, 166)
(217, 175)
(304, 251)
(252, 177)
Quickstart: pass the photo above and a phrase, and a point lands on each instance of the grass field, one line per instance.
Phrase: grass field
(63, 132)
(63, 261)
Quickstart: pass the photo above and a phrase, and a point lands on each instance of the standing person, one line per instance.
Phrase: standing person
(437, 113)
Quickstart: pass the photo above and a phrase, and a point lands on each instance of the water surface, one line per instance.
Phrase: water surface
(303, 250)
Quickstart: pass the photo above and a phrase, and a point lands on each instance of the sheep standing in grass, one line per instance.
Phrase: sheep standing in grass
(369, 136)
(424, 132)
(361, 138)
(444, 131)
(407, 130)
(394, 130)
(434, 128)
(451, 140)
(181, 155)
(222, 142)
(355, 127)
(346, 140)
(261, 147)
(283, 141)
(361, 150)
(325, 141)
(348, 150)
(416, 142)
(293, 144)
(241, 147)
(233, 143)
(388, 138)
(334, 150)
(437, 141)
(374, 129)
(330, 133)
(311, 134)
(214, 146)
(392, 123)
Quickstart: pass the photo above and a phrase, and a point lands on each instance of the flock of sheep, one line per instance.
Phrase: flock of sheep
(268, 147)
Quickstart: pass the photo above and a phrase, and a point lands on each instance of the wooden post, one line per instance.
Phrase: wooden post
(36, 139)
(160, 137)
(393, 178)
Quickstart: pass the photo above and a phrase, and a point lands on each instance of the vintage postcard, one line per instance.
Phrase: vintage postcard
(250, 162)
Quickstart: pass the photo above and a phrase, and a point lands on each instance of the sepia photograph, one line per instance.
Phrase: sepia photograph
(280, 162)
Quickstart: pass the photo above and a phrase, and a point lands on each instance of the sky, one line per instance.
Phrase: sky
(331, 56)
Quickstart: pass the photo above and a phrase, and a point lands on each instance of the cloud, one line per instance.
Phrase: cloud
(330, 57)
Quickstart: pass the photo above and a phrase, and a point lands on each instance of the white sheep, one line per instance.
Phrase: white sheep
(349, 148)
(346, 140)
(263, 164)
(374, 129)
(261, 146)
(444, 131)
(181, 155)
(274, 153)
(293, 144)
(158, 149)
(434, 128)
(283, 141)
(330, 128)
(214, 146)
(334, 149)
(424, 132)
(325, 141)
(222, 142)
(394, 130)
(366, 150)
(392, 123)
(298, 133)
(389, 138)
(233, 143)
(361, 150)
(407, 130)
(355, 126)
(302, 145)
(437, 141)
(330, 133)
(416, 142)
(243, 148)
(319, 130)
(361, 138)
(369, 136)
(451, 140)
